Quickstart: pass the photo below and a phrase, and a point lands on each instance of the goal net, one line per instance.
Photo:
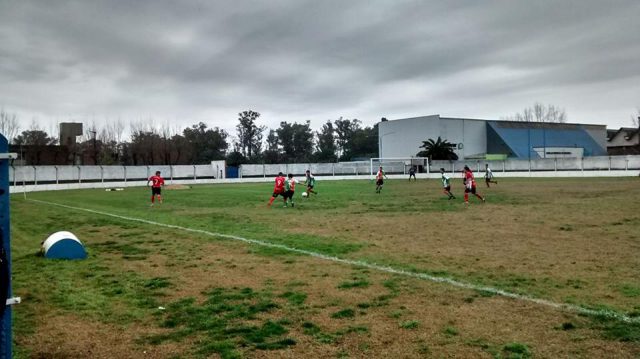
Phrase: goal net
(399, 165)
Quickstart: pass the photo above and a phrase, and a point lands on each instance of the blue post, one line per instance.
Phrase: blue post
(5, 267)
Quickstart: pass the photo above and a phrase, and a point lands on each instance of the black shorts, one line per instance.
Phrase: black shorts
(310, 186)
(156, 190)
(276, 194)
(288, 194)
(379, 182)
(448, 188)
(472, 190)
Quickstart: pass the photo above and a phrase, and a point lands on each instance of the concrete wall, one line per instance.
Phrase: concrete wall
(80, 174)
(435, 176)
(403, 138)
(47, 178)
(472, 134)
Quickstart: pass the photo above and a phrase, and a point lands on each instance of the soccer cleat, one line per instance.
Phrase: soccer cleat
(483, 201)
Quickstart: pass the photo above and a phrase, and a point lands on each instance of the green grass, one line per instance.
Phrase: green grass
(450, 331)
(516, 351)
(222, 322)
(133, 267)
(410, 324)
(344, 313)
(356, 283)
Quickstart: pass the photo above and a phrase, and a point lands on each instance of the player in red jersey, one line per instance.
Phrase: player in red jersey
(156, 187)
(470, 185)
(278, 189)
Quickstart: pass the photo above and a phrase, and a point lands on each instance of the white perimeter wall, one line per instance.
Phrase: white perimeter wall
(434, 176)
(29, 178)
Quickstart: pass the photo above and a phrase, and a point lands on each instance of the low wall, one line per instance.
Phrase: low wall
(37, 175)
(435, 176)
(401, 166)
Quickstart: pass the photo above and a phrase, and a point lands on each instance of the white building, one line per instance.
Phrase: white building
(476, 138)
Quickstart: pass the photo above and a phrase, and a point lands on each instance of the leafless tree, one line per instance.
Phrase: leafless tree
(9, 126)
(540, 113)
(635, 119)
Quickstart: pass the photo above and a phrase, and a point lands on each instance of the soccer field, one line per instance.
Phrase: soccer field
(544, 268)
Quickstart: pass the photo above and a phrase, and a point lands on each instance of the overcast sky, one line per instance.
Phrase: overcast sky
(183, 62)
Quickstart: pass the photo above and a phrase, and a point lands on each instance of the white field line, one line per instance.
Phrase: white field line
(377, 267)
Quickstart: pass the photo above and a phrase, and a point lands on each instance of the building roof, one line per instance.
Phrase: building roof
(626, 132)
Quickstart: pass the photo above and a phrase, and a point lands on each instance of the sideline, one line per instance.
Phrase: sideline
(456, 283)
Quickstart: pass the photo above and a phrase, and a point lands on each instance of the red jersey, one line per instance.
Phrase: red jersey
(156, 181)
(469, 180)
(279, 187)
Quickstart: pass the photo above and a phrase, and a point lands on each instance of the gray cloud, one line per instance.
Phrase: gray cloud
(205, 61)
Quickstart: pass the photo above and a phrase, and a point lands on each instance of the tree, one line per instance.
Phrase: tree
(235, 158)
(303, 142)
(326, 148)
(285, 139)
(540, 113)
(38, 142)
(296, 141)
(35, 137)
(207, 144)
(272, 153)
(345, 130)
(9, 126)
(249, 134)
(363, 143)
(181, 151)
(145, 147)
(438, 150)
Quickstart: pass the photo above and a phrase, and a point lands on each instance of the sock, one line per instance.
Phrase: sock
(160, 199)
(466, 197)
(153, 198)
(271, 200)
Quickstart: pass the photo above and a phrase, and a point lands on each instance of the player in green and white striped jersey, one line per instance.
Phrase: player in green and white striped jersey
(446, 184)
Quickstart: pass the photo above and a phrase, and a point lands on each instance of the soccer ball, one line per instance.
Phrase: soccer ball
(304, 194)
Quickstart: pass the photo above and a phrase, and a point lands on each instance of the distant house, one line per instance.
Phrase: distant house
(624, 141)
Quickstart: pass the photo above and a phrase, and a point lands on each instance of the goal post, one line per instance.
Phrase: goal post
(399, 165)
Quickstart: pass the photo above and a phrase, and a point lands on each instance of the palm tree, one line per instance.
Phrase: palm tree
(438, 150)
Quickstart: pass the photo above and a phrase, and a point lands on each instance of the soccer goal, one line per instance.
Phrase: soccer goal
(399, 165)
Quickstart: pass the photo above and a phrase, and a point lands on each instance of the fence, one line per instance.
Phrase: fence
(596, 163)
(45, 178)
(319, 169)
(34, 175)
(401, 166)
